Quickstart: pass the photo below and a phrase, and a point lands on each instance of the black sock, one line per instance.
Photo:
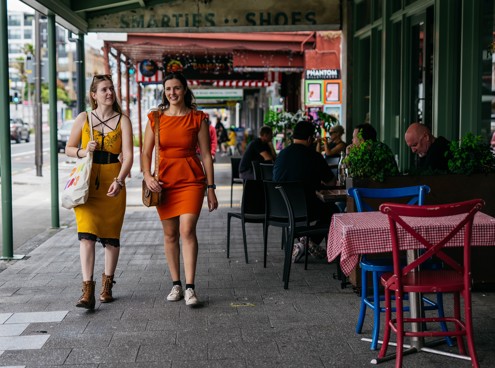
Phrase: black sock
(174, 283)
(189, 286)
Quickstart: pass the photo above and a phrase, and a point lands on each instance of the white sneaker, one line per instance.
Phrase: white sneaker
(191, 298)
(176, 294)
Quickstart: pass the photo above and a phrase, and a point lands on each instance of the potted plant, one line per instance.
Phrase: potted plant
(282, 122)
(471, 155)
(371, 160)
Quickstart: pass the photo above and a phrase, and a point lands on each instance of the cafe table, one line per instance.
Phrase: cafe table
(353, 234)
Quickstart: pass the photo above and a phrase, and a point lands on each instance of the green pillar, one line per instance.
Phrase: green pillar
(5, 152)
(52, 84)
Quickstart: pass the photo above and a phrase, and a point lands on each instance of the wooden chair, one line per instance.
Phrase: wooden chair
(252, 211)
(366, 199)
(234, 178)
(456, 280)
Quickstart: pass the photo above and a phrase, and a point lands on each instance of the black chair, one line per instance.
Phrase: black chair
(333, 164)
(252, 211)
(266, 171)
(235, 179)
(299, 226)
(256, 170)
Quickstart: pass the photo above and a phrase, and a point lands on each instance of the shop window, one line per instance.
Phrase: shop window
(488, 67)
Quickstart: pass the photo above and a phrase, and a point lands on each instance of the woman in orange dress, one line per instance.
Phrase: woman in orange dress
(182, 178)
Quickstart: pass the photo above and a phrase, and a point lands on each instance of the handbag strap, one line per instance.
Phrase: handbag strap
(157, 142)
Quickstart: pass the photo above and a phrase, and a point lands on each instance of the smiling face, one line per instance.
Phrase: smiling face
(174, 92)
(103, 93)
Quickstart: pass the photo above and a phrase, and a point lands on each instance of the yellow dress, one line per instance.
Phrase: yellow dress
(102, 217)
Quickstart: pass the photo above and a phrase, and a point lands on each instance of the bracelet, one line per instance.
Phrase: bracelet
(119, 182)
(77, 153)
(213, 186)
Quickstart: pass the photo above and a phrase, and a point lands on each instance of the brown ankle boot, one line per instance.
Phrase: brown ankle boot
(87, 299)
(106, 288)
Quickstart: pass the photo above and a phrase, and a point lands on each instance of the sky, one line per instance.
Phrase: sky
(90, 38)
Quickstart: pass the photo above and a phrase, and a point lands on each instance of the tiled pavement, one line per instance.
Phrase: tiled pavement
(248, 319)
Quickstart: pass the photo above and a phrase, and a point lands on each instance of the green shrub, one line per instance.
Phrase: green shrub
(471, 155)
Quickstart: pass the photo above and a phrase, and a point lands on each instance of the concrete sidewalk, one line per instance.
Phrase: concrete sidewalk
(248, 319)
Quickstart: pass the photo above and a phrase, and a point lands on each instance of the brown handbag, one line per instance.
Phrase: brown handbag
(151, 199)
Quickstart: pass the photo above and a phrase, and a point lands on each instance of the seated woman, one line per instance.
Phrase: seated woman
(334, 144)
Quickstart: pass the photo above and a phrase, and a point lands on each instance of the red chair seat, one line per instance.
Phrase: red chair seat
(428, 281)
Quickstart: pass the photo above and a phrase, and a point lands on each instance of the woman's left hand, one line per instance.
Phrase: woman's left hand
(114, 189)
(212, 200)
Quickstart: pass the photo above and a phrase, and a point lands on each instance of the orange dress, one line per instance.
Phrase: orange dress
(180, 169)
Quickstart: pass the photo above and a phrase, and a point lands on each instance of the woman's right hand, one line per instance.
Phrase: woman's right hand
(152, 183)
(91, 146)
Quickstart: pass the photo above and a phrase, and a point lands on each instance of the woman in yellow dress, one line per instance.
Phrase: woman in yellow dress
(181, 175)
(101, 217)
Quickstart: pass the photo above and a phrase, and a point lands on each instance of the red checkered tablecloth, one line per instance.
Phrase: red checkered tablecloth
(353, 234)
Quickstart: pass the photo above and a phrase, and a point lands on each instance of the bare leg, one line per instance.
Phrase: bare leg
(87, 255)
(111, 259)
(189, 245)
(171, 245)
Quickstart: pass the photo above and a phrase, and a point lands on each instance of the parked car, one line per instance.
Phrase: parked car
(19, 130)
(63, 134)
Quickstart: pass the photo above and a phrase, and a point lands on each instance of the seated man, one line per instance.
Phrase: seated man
(431, 151)
(300, 162)
(260, 149)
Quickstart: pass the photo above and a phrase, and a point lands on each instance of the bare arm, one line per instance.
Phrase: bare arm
(204, 147)
(127, 157)
(146, 159)
(335, 150)
(72, 147)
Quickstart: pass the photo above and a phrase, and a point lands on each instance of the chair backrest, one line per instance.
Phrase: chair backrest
(294, 197)
(364, 197)
(400, 218)
(256, 170)
(333, 164)
(266, 171)
(253, 198)
(276, 208)
(234, 167)
(332, 161)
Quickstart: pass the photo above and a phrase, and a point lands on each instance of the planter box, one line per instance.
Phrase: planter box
(446, 189)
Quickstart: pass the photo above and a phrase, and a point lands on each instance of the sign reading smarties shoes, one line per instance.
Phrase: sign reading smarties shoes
(223, 16)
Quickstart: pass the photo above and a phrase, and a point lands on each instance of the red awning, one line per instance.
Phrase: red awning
(231, 83)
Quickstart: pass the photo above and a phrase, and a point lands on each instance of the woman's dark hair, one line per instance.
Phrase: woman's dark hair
(188, 97)
(367, 132)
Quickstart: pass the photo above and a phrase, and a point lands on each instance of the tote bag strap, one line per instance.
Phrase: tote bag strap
(157, 142)
(90, 121)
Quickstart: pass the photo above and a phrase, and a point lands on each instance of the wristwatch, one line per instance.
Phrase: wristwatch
(213, 186)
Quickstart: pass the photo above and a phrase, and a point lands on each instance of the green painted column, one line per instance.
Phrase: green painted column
(446, 69)
(5, 153)
(470, 56)
(52, 86)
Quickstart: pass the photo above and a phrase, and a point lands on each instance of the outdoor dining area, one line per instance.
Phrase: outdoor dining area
(409, 254)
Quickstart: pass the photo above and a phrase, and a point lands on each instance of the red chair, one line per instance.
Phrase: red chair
(456, 279)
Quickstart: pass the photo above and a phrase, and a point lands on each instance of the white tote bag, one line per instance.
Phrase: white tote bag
(76, 189)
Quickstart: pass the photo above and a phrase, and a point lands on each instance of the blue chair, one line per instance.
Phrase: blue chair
(363, 199)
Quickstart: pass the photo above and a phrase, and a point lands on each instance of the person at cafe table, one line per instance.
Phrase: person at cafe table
(431, 150)
(300, 162)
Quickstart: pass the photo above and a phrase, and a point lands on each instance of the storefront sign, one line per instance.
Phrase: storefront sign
(219, 94)
(322, 74)
(219, 15)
